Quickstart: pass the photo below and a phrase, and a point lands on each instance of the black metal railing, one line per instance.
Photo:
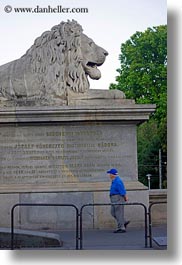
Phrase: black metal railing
(79, 219)
(105, 204)
(150, 220)
(44, 205)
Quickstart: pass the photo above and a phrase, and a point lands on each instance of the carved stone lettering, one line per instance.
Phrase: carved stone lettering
(59, 154)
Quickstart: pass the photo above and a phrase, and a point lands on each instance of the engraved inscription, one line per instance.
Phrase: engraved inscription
(59, 154)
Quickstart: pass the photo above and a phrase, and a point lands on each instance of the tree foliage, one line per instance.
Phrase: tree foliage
(143, 77)
(143, 72)
(148, 151)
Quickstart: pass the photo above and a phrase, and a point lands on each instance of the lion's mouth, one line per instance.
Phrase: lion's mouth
(92, 70)
(93, 65)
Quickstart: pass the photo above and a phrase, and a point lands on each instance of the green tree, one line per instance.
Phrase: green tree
(143, 77)
(143, 72)
(148, 142)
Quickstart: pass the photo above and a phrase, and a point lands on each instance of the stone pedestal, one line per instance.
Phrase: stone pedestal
(61, 155)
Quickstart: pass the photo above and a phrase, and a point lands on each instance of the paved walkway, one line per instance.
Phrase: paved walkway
(133, 239)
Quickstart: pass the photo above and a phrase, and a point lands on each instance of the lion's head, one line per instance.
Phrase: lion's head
(59, 60)
(64, 56)
(93, 56)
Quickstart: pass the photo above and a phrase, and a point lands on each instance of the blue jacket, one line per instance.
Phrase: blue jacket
(117, 187)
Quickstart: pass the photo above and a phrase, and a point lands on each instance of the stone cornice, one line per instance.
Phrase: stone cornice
(68, 187)
(135, 113)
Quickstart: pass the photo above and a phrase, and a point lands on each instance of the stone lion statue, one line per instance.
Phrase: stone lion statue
(60, 60)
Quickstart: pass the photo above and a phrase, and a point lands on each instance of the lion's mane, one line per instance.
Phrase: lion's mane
(56, 58)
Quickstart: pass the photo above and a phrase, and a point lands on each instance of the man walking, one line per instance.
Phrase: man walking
(118, 195)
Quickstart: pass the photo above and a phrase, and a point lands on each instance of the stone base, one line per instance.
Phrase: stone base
(54, 218)
(159, 211)
(29, 239)
(53, 154)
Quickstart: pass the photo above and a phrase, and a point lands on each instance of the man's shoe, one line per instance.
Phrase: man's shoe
(126, 224)
(120, 231)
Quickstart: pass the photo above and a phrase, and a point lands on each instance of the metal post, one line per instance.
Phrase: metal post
(148, 176)
(160, 169)
(81, 228)
(12, 227)
(77, 228)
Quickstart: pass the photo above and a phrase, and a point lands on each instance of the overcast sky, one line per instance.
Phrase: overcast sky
(108, 23)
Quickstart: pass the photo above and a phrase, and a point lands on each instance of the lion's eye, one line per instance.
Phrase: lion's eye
(91, 44)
